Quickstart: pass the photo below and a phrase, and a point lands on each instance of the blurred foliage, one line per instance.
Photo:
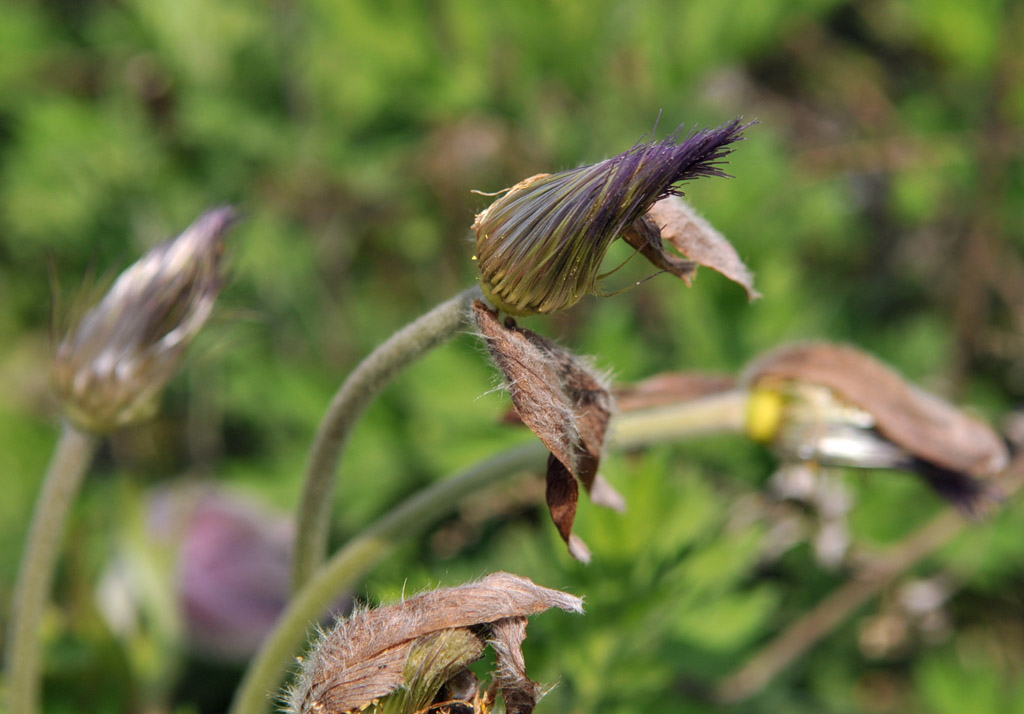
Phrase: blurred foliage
(880, 201)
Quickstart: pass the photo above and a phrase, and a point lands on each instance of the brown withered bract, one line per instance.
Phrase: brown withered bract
(376, 652)
(566, 405)
(956, 453)
(673, 220)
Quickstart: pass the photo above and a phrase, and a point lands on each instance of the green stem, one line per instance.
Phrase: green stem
(632, 429)
(362, 385)
(71, 459)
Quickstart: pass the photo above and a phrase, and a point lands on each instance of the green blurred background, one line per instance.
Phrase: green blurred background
(880, 201)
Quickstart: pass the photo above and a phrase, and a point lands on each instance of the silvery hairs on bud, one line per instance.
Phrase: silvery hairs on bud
(112, 366)
(368, 655)
(540, 246)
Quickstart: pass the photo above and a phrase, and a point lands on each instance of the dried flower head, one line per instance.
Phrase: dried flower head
(111, 367)
(421, 649)
(835, 405)
(540, 246)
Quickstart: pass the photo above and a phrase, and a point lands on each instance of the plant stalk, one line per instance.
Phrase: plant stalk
(71, 459)
(713, 414)
(355, 395)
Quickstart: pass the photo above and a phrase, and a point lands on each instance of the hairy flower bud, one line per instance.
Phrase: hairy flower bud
(540, 246)
(415, 649)
(111, 367)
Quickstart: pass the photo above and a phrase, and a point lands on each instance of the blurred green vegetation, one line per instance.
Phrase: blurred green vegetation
(880, 201)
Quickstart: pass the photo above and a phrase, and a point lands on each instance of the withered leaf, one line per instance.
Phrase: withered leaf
(565, 404)
(694, 237)
(604, 494)
(365, 657)
(645, 236)
(924, 425)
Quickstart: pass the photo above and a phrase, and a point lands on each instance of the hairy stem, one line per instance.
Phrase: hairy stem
(71, 459)
(355, 395)
(411, 517)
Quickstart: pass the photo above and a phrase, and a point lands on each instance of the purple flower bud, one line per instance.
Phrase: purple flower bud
(228, 571)
(540, 246)
(234, 575)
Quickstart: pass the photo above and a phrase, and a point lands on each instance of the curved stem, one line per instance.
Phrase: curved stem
(356, 558)
(71, 459)
(366, 380)
(632, 429)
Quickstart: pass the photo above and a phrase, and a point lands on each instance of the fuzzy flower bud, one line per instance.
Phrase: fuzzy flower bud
(540, 246)
(411, 656)
(110, 368)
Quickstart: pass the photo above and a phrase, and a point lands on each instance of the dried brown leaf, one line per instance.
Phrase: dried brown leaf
(645, 236)
(365, 657)
(694, 237)
(924, 425)
(592, 405)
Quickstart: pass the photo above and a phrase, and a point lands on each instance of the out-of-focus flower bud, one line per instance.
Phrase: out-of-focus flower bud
(228, 565)
(418, 651)
(112, 366)
(540, 246)
(833, 405)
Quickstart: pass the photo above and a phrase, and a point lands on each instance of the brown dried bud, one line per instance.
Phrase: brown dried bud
(836, 405)
(111, 368)
(422, 643)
